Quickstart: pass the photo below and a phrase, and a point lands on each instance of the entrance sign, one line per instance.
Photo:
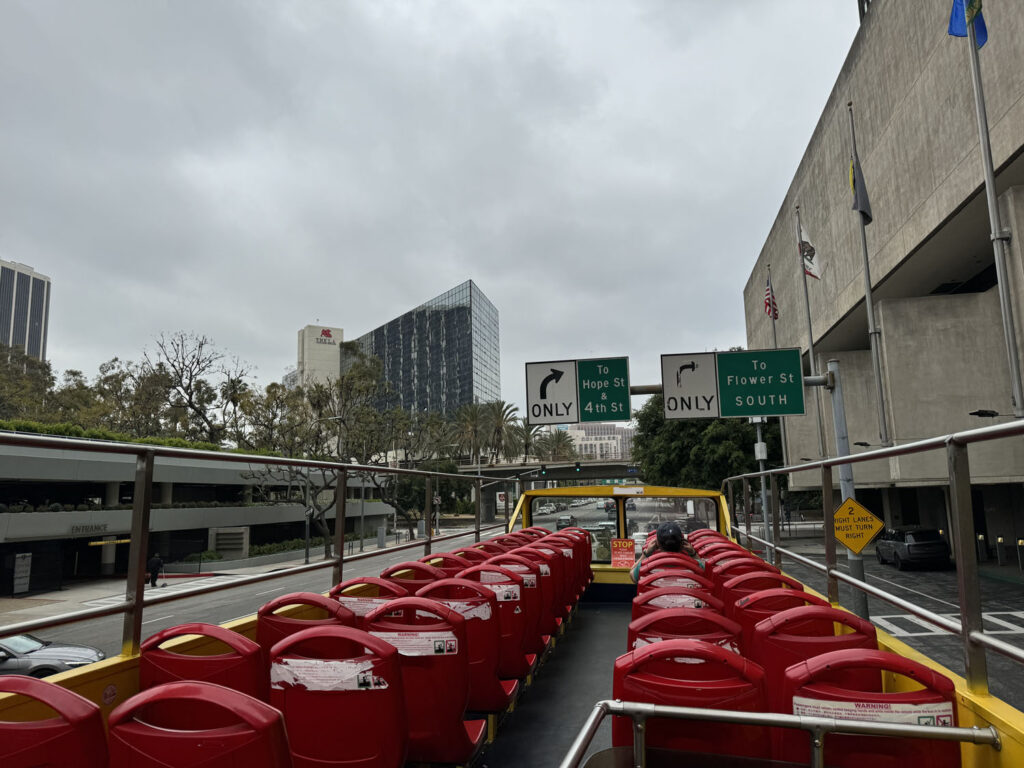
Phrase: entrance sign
(623, 553)
(690, 384)
(761, 382)
(603, 389)
(551, 393)
(855, 525)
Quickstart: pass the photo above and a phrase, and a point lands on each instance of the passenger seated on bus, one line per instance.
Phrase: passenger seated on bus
(669, 539)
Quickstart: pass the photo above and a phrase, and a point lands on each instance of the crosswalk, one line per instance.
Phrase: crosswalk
(173, 585)
(994, 623)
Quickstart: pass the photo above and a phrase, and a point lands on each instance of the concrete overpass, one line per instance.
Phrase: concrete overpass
(585, 470)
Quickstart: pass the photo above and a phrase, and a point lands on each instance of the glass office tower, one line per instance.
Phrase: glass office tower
(441, 355)
(24, 308)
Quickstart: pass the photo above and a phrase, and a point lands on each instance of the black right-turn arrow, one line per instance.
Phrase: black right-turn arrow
(556, 376)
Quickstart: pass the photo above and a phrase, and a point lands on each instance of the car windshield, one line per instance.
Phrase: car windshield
(22, 643)
(921, 536)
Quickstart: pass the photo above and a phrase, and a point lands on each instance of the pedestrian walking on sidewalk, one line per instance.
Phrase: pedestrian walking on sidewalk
(154, 566)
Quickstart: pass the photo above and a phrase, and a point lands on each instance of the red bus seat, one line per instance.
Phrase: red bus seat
(75, 737)
(431, 642)
(733, 589)
(562, 573)
(535, 599)
(412, 575)
(674, 597)
(692, 673)
(752, 608)
(364, 593)
(445, 561)
(478, 605)
(726, 569)
(271, 627)
(677, 578)
(819, 687)
(672, 558)
(684, 624)
(551, 590)
(471, 555)
(513, 662)
(340, 690)
(235, 663)
(187, 724)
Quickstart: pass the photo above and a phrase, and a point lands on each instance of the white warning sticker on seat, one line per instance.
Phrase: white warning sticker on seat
(421, 643)
(677, 601)
(470, 610)
(325, 675)
(505, 592)
(361, 606)
(933, 713)
(545, 569)
(675, 581)
(728, 643)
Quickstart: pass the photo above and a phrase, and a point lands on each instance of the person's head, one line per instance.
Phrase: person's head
(670, 538)
(156, 554)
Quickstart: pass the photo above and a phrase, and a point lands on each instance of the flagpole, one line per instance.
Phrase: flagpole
(998, 235)
(873, 332)
(810, 340)
(775, 345)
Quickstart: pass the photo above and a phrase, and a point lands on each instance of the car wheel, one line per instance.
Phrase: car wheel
(42, 672)
(878, 554)
(898, 561)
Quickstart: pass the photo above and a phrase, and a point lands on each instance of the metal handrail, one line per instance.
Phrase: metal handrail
(817, 728)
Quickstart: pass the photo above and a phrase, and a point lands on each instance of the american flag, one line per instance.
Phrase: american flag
(770, 307)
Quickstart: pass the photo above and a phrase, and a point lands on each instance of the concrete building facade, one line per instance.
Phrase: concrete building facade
(319, 355)
(24, 308)
(931, 259)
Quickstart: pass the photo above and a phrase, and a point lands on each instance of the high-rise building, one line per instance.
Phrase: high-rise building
(602, 441)
(319, 357)
(441, 355)
(24, 308)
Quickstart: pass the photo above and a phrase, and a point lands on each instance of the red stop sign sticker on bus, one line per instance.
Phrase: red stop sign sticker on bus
(623, 553)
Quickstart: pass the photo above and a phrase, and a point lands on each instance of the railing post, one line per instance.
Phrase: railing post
(829, 532)
(776, 525)
(476, 513)
(746, 511)
(732, 509)
(639, 741)
(429, 506)
(340, 500)
(135, 590)
(507, 494)
(962, 514)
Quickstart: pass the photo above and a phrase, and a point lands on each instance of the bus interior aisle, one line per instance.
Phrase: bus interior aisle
(578, 673)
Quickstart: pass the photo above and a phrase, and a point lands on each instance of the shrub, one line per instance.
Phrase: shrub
(4, 508)
(81, 508)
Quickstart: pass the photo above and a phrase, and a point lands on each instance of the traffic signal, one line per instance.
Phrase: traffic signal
(543, 469)
(577, 466)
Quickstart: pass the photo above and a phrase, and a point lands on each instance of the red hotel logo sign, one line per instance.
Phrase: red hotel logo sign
(325, 333)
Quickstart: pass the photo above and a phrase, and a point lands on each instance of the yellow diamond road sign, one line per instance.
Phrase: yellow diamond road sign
(855, 525)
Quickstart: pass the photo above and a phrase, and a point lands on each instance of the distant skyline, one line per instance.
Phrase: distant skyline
(606, 173)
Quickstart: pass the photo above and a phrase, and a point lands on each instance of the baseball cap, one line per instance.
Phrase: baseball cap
(670, 537)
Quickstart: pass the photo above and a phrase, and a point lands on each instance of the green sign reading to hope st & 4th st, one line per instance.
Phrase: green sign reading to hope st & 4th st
(603, 389)
(762, 382)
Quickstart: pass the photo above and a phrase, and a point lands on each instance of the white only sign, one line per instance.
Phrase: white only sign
(690, 386)
(551, 393)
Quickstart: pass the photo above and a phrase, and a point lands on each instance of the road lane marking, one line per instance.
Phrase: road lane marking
(159, 618)
(267, 592)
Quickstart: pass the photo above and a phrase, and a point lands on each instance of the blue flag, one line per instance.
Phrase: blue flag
(958, 20)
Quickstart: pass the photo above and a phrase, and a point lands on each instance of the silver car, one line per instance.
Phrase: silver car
(28, 655)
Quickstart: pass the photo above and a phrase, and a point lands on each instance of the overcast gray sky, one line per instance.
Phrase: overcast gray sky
(606, 172)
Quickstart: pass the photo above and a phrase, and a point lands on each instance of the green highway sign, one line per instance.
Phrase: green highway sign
(761, 382)
(603, 389)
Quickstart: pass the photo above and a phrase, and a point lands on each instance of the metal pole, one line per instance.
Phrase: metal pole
(476, 511)
(428, 508)
(999, 237)
(765, 512)
(829, 529)
(305, 515)
(339, 526)
(135, 590)
(854, 561)
(873, 332)
(975, 666)
(362, 511)
(747, 509)
(782, 421)
(776, 524)
(506, 508)
(810, 337)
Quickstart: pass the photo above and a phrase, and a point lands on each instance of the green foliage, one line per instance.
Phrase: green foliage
(695, 453)
(208, 554)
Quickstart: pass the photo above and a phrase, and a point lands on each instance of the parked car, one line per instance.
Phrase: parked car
(565, 521)
(921, 546)
(630, 505)
(546, 509)
(28, 655)
(611, 509)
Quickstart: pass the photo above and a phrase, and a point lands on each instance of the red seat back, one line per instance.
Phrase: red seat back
(726, 569)
(237, 664)
(676, 578)
(412, 575)
(478, 606)
(669, 559)
(492, 548)
(702, 533)
(752, 608)
(571, 547)
(708, 547)
(692, 673)
(550, 589)
(562, 573)
(364, 593)
(508, 588)
(471, 555)
(684, 623)
(340, 690)
(535, 598)
(271, 627)
(186, 724)
(756, 580)
(74, 737)
(431, 642)
(445, 561)
(820, 687)
(674, 597)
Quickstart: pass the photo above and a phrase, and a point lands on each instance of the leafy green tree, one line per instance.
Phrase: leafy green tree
(695, 453)
(555, 446)
(26, 386)
(526, 438)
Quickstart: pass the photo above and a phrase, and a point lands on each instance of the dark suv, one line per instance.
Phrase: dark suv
(922, 546)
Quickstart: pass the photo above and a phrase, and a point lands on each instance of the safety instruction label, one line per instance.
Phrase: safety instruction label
(727, 643)
(623, 553)
(677, 601)
(361, 606)
(529, 579)
(933, 713)
(470, 610)
(545, 569)
(675, 581)
(421, 643)
(325, 675)
(505, 592)
(567, 553)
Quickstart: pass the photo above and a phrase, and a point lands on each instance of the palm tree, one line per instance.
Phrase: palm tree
(500, 421)
(555, 446)
(527, 436)
(469, 429)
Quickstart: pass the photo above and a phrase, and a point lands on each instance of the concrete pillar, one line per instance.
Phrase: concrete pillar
(166, 492)
(247, 494)
(111, 495)
(107, 553)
